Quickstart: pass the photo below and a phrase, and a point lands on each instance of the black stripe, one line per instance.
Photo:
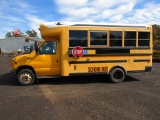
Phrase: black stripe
(121, 54)
(108, 51)
(114, 51)
(105, 61)
(141, 60)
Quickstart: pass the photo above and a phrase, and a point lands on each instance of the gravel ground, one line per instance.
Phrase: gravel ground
(80, 98)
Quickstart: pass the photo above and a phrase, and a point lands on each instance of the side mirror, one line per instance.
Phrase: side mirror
(36, 46)
(32, 48)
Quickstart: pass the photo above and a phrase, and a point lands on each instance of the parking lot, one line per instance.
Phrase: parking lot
(80, 97)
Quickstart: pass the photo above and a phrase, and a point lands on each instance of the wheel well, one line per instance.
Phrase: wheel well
(24, 67)
(118, 67)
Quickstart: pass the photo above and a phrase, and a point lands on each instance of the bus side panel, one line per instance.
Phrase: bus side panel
(104, 64)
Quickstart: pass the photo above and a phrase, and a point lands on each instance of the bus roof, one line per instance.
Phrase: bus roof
(57, 24)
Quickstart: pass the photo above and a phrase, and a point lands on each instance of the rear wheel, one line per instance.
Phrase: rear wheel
(117, 75)
(26, 77)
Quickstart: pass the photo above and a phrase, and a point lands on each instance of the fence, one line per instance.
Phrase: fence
(13, 44)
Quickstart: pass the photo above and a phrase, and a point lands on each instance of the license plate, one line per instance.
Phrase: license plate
(97, 69)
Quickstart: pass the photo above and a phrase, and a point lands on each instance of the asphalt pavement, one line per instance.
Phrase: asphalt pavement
(81, 97)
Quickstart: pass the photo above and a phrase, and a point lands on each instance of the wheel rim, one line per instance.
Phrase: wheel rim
(118, 75)
(26, 77)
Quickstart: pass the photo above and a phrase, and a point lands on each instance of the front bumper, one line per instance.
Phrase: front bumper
(13, 72)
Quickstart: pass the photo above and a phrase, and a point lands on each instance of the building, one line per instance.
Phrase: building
(12, 44)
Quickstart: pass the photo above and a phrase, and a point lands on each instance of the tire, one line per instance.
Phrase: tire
(117, 75)
(26, 77)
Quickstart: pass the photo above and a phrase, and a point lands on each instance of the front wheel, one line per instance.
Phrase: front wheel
(26, 77)
(117, 75)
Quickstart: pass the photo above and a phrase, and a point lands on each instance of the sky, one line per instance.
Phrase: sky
(28, 14)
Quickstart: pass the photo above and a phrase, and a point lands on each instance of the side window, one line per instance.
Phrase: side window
(98, 38)
(115, 38)
(78, 38)
(130, 38)
(143, 38)
(48, 48)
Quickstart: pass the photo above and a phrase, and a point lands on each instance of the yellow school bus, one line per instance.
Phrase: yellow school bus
(71, 48)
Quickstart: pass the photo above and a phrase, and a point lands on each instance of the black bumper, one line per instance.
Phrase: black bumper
(148, 69)
(13, 72)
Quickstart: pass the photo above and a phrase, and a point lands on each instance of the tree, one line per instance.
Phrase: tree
(31, 33)
(9, 34)
(18, 33)
(156, 30)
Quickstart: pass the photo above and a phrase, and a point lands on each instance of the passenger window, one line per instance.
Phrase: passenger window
(116, 38)
(98, 38)
(130, 38)
(78, 38)
(143, 38)
(48, 48)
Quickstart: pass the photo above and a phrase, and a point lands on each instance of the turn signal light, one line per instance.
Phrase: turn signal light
(12, 63)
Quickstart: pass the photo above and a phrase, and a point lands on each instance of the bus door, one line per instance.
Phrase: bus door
(47, 62)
